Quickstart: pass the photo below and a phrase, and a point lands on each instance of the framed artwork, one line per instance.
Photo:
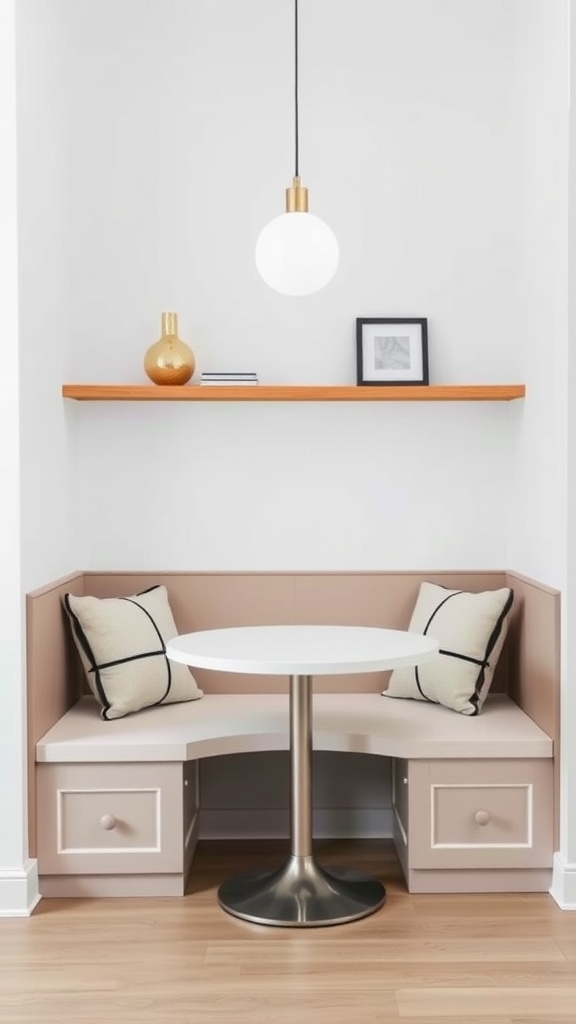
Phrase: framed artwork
(392, 351)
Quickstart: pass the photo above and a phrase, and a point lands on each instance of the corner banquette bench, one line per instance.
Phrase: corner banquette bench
(114, 805)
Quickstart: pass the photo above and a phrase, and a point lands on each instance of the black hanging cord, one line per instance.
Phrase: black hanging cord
(297, 147)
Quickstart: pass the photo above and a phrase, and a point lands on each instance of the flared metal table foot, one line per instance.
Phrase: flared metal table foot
(301, 894)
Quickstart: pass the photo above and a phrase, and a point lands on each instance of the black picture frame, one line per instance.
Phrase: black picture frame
(391, 351)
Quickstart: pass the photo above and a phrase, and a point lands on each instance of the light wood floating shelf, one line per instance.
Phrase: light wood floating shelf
(292, 393)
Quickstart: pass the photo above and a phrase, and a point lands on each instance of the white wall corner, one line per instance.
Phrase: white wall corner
(563, 888)
(19, 891)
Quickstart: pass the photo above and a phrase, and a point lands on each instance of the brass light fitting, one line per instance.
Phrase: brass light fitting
(296, 197)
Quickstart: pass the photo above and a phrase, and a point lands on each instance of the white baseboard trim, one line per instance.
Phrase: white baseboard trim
(19, 891)
(274, 823)
(563, 888)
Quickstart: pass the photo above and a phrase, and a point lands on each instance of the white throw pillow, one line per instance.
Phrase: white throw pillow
(470, 629)
(122, 644)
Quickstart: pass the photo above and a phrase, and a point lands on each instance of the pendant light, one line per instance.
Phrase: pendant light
(296, 253)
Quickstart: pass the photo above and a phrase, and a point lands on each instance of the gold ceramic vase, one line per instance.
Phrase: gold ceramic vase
(169, 360)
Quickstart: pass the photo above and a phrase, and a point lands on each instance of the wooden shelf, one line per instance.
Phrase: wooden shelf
(292, 393)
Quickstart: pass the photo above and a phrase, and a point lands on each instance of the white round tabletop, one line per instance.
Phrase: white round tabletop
(301, 650)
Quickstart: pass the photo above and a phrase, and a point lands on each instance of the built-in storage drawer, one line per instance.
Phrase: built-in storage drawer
(480, 814)
(115, 818)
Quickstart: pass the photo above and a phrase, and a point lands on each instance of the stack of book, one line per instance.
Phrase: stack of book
(228, 378)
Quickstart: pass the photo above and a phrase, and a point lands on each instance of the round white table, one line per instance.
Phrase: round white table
(301, 893)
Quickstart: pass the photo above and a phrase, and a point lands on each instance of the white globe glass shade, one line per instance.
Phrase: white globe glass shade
(297, 253)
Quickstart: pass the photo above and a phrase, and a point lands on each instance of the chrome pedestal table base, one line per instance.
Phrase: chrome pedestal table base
(301, 893)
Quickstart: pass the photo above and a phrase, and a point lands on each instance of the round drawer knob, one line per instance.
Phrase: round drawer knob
(482, 817)
(108, 821)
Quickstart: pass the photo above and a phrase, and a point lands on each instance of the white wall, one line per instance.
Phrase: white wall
(291, 487)
(564, 881)
(179, 129)
(18, 883)
(44, 289)
(537, 535)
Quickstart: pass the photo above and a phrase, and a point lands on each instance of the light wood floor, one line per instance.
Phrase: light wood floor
(504, 959)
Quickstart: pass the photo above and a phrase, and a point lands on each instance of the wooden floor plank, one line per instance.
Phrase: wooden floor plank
(313, 951)
(393, 976)
(567, 947)
(540, 1002)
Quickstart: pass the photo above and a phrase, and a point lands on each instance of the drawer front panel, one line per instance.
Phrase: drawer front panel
(460, 818)
(110, 818)
(120, 818)
(481, 814)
